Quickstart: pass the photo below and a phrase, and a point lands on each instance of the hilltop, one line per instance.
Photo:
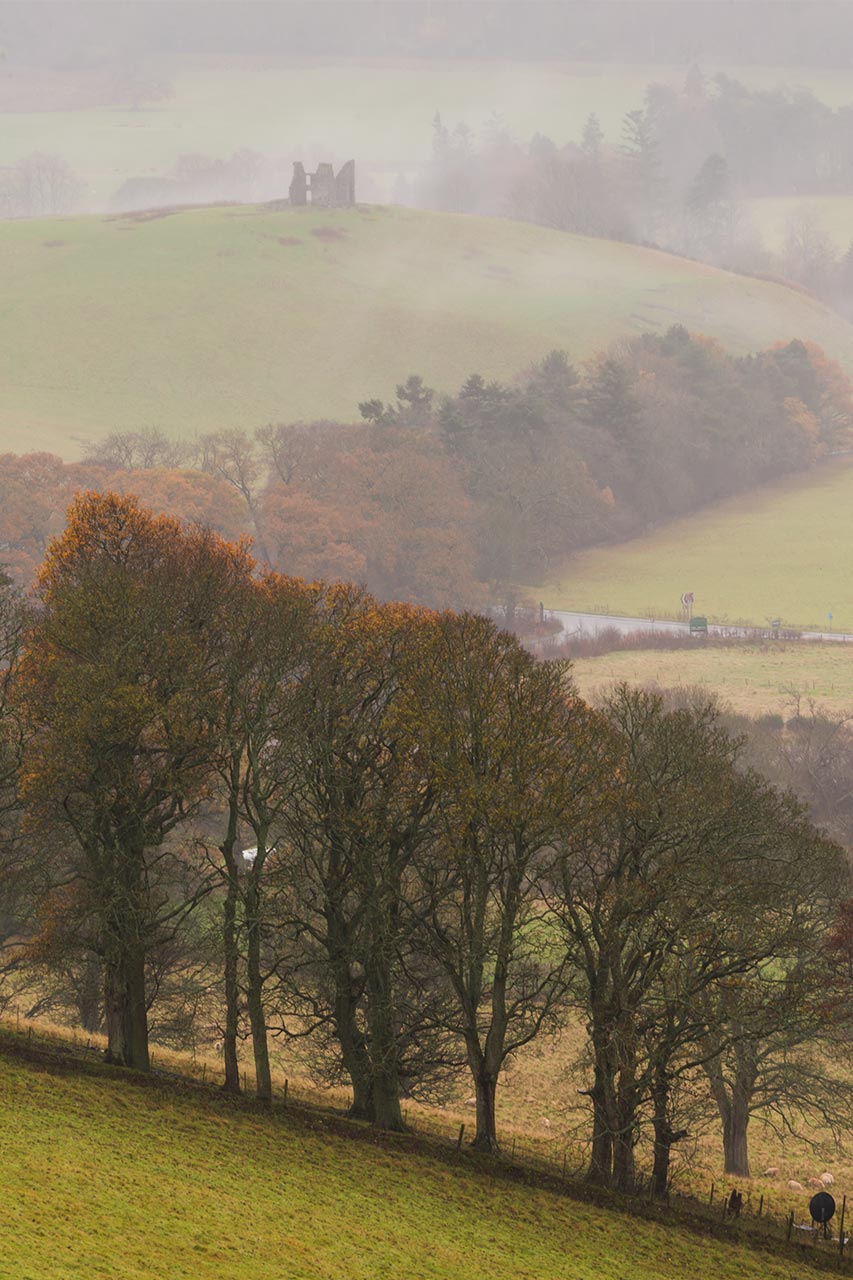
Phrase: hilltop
(197, 319)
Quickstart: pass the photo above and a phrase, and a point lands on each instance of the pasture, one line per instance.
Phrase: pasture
(782, 551)
(237, 316)
(754, 680)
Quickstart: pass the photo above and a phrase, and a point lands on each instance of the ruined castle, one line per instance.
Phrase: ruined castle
(325, 189)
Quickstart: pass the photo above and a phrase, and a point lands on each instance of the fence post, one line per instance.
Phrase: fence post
(711, 1196)
(286, 1083)
(841, 1228)
(790, 1226)
(461, 1136)
(761, 1205)
(203, 1071)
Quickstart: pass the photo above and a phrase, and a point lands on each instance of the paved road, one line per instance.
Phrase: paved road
(592, 623)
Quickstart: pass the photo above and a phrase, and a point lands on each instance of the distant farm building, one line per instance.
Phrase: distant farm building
(325, 188)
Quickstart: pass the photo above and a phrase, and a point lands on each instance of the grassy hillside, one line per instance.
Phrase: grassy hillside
(238, 316)
(104, 1177)
(779, 552)
(753, 679)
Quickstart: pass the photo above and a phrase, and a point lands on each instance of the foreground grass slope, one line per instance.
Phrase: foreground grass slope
(104, 1177)
(779, 552)
(220, 317)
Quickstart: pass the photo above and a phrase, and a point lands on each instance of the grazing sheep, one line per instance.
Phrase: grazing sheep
(546, 1122)
(772, 1172)
(827, 1179)
(815, 1184)
(793, 1185)
(470, 1102)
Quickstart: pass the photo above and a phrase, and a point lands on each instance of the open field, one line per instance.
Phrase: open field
(753, 679)
(103, 1176)
(238, 316)
(771, 217)
(378, 112)
(779, 552)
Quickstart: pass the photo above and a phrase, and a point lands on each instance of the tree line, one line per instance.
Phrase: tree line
(231, 795)
(449, 500)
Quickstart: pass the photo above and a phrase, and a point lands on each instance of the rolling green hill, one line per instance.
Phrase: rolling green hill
(202, 319)
(104, 1177)
(782, 551)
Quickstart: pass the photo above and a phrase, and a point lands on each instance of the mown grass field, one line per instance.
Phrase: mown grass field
(779, 552)
(202, 319)
(102, 1177)
(379, 112)
(753, 679)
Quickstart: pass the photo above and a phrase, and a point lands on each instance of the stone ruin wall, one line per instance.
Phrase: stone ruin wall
(324, 188)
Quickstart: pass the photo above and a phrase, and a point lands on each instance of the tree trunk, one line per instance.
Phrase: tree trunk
(486, 1137)
(89, 994)
(230, 952)
(232, 990)
(387, 1113)
(353, 1050)
(600, 1168)
(665, 1136)
(735, 1146)
(254, 988)
(624, 1174)
(624, 1133)
(126, 1010)
(734, 1105)
(605, 1118)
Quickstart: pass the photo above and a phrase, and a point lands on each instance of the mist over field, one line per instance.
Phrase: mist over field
(426, 692)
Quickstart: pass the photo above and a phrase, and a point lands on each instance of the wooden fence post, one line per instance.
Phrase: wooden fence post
(790, 1226)
(761, 1205)
(286, 1084)
(461, 1136)
(841, 1228)
(711, 1196)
